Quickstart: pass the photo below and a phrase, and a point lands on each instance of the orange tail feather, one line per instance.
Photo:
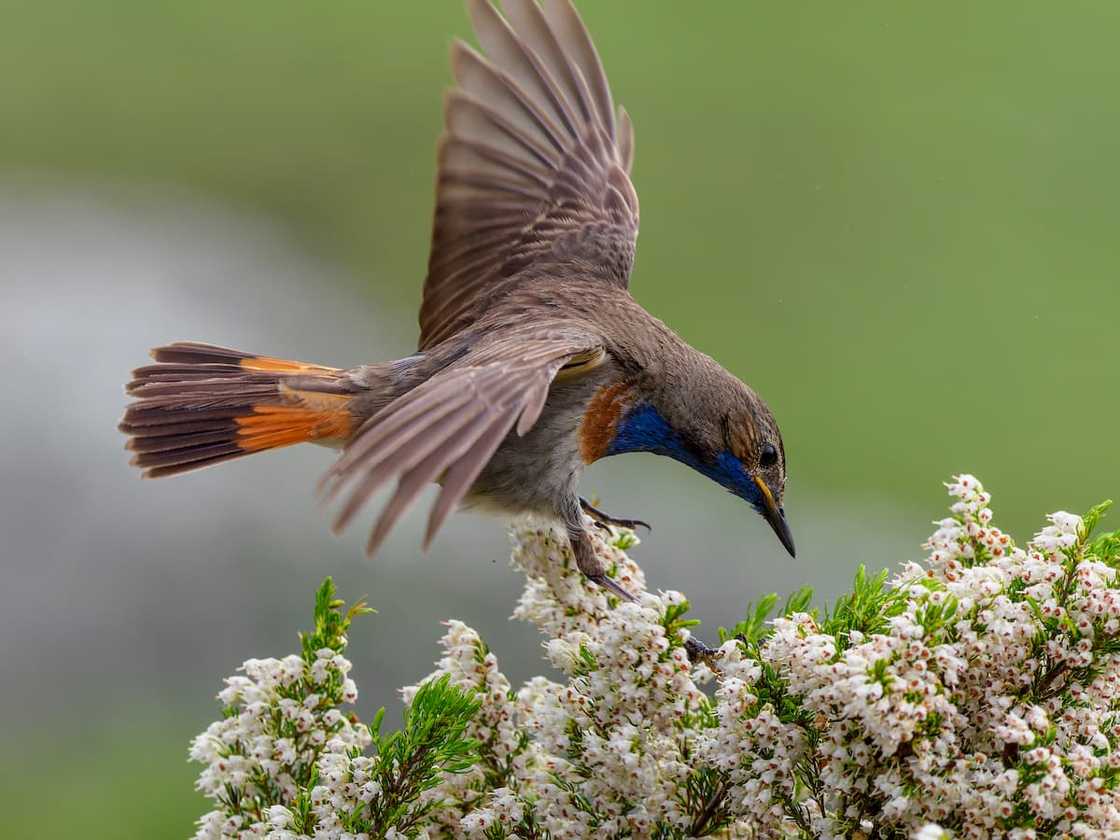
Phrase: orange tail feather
(202, 405)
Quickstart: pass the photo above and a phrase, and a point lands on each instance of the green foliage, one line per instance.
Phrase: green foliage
(756, 626)
(1105, 547)
(934, 617)
(332, 620)
(294, 721)
(674, 620)
(411, 761)
(1093, 517)
(867, 609)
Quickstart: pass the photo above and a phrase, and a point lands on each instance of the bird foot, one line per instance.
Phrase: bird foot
(698, 651)
(606, 521)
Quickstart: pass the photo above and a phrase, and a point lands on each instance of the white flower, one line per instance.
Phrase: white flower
(349, 691)
(1066, 523)
(279, 816)
(983, 698)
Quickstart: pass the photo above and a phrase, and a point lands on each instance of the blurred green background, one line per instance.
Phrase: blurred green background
(896, 221)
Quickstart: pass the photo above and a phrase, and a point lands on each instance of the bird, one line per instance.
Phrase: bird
(534, 359)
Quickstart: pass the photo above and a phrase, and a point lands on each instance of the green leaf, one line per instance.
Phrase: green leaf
(412, 760)
(798, 602)
(1092, 518)
(332, 620)
(1106, 549)
(868, 608)
(755, 627)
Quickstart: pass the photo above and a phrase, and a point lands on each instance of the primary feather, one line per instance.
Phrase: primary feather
(532, 167)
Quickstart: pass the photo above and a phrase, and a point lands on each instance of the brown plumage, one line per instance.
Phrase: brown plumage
(202, 405)
(533, 360)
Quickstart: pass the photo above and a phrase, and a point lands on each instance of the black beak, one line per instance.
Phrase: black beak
(776, 517)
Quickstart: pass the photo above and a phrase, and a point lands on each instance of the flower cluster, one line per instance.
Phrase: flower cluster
(599, 754)
(974, 695)
(284, 762)
(281, 719)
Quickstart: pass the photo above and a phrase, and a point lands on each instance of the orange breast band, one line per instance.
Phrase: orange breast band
(600, 422)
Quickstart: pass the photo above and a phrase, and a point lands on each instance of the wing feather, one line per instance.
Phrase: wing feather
(565, 22)
(379, 437)
(531, 24)
(462, 474)
(510, 52)
(471, 119)
(449, 427)
(400, 455)
(625, 139)
(533, 167)
(415, 480)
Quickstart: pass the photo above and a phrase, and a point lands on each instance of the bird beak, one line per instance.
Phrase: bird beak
(775, 516)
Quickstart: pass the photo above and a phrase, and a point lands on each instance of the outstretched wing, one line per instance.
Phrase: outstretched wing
(448, 428)
(533, 164)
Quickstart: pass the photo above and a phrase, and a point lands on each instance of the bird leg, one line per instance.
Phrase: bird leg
(589, 563)
(606, 521)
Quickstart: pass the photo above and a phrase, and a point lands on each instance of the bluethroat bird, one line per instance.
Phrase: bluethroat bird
(534, 360)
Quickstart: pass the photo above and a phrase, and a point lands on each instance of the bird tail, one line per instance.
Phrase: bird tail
(200, 405)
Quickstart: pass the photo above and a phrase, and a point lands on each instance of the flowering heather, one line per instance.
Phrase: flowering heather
(284, 762)
(976, 694)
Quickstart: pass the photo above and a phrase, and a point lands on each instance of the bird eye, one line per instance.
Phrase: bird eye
(769, 456)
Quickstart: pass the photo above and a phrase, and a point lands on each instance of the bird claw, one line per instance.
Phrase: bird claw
(606, 521)
(612, 586)
(698, 651)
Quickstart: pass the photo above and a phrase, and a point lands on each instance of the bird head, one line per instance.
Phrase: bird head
(708, 420)
(751, 463)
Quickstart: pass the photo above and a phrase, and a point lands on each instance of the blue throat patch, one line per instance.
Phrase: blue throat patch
(643, 429)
